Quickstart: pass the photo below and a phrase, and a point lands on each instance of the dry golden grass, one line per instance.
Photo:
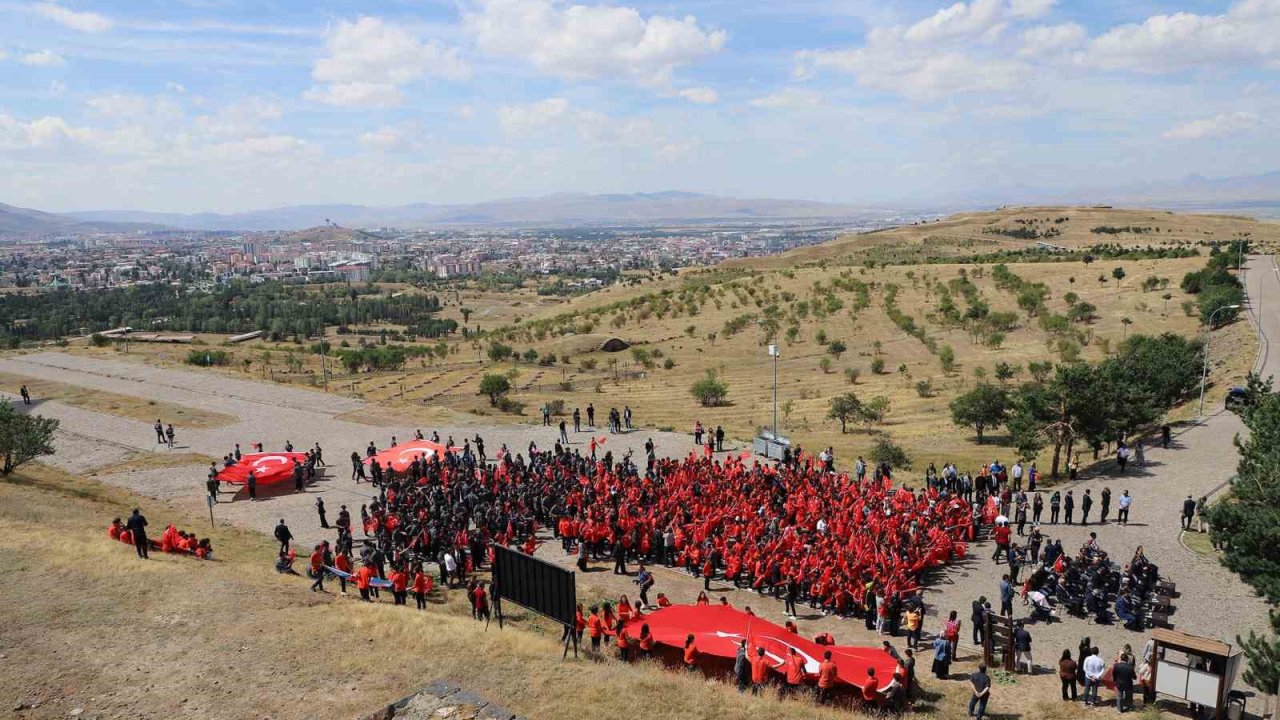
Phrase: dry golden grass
(154, 461)
(115, 404)
(966, 233)
(90, 626)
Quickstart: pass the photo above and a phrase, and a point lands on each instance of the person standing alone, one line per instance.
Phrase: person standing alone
(26, 395)
(137, 525)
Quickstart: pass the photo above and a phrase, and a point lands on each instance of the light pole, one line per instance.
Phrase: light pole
(1208, 335)
(773, 352)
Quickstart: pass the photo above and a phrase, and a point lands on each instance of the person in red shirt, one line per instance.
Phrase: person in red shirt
(579, 622)
(422, 584)
(624, 645)
(663, 601)
(594, 628)
(871, 689)
(317, 569)
(364, 578)
(343, 563)
(646, 641)
(399, 586)
(690, 654)
(759, 672)
(795, 672)
(703, 599)
(827, 676)
(481, 599)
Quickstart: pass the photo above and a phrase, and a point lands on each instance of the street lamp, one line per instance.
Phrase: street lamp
(1208, 335)
(773, 352)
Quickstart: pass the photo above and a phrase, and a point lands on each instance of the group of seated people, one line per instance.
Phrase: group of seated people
(172, 540)
(1092, 586)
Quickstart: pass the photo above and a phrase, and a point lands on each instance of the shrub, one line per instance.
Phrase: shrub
(668, 364)
(99, 340)
(851, 375)
(588, 364)
(877, 365)
(710, 391)
(886, 450)
(208, 358)
(947, 357)
(825, 364)
(924, 388)
(495, 386)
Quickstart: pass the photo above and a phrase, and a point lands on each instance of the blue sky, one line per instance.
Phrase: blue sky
(191, 105)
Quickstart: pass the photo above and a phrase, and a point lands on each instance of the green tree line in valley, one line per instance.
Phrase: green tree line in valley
(1083, 405)
(274, 308)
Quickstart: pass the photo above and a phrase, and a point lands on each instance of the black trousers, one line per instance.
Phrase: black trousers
(141, 545)
(421, 599)
(1068, 685)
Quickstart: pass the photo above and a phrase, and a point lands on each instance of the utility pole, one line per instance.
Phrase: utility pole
(1208, 335)
(773, 352)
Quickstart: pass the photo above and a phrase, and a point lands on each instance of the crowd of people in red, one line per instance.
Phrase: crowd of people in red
(172, 540)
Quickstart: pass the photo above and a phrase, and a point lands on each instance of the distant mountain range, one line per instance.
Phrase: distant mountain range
(22, 222)
(558, 209)
(1253, 194)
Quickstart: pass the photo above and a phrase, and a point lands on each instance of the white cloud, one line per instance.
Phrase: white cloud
(42, 59)
(124, 108)
(384, 138)
(83, 21)
(57, 87)
(369, 61)
(1030, 9)
(700, 95)
(3, 54)
(1049, 40)
(1219, 125)
(521, 119)
(1248, 33)
(45, 133)
(174, 87)
(590, 41)
(788, 98)
(466, 112)
(245, 118)
(958, 49)
(977, 18)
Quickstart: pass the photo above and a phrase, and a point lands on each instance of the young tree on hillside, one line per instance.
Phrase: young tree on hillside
(1118, 274)
(710, 391)
(836, 348)
(23, 438)
(985, 406)
(846, 408)
(495, 386)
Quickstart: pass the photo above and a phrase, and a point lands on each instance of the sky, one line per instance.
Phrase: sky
(230, 105)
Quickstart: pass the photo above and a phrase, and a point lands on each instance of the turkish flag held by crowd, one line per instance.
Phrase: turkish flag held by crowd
(267, 468)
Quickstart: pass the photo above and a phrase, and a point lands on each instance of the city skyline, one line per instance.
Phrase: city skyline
(227, 106)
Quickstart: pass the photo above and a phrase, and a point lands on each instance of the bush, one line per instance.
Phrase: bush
(924, 388)
(877, 365)
(825, 364)
(556, 407)
(851, 375)
(495, 386)
(947, 357)
(208, 358)
(507, 405)
(588, 364)
(887, 451)
(668, 364)
(710, 391)
(99, 340)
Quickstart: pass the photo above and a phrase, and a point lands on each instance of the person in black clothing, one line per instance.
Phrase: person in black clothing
(1122, 675)
(1086, 503)
(1165, 436)
(1106, 505)
(1068, 506)
(793, 593)
(212, 486)
(137, 525)
(298, 478)
(619, 559)
(978, 618)
(252, 484)
(577, 420)
(591, 415)
(283, 535)
(324, 522)
(719, 439)
(26, 395)
(1188, 512)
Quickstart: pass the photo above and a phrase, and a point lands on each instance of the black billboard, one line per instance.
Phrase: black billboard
(546, 589)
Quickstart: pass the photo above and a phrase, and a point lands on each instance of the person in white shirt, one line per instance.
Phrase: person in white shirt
(1125, 501)
(1016, 473)
(1094, 667)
